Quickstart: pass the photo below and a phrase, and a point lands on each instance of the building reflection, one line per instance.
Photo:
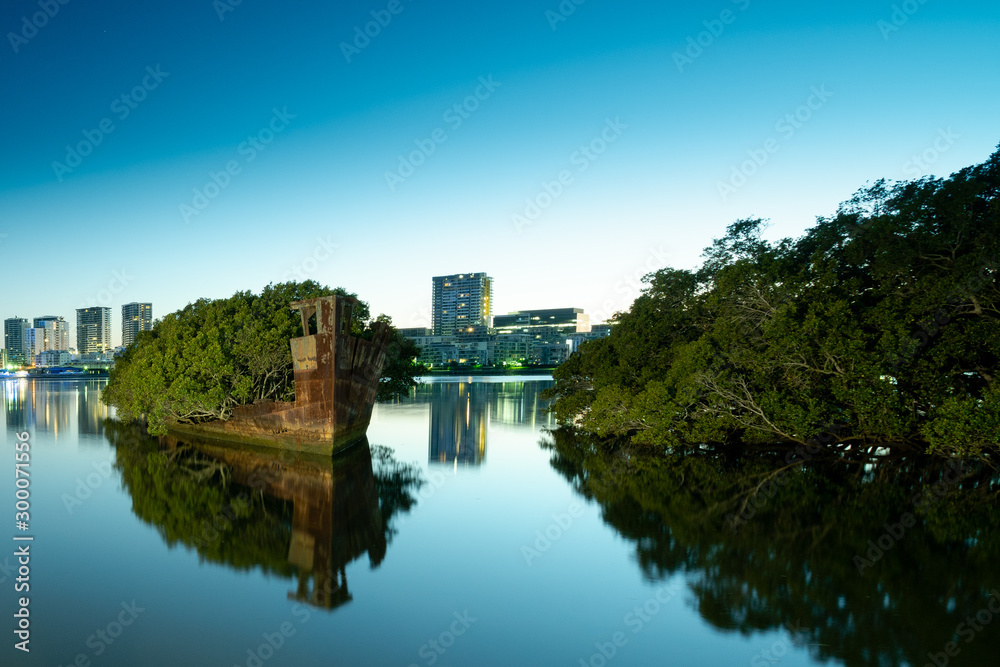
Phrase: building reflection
(90, 409)
(17, 408)
(50, 406)
(520, 403)
(460, 412)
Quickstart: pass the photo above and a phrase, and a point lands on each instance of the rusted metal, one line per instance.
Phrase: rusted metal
(336, 517)
(336, 382)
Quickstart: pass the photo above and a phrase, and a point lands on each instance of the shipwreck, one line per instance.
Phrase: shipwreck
(336, 381)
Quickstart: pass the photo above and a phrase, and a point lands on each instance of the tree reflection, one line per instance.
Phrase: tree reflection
(823, 545)
(298, 517)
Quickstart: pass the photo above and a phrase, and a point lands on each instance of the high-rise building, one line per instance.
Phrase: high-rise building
(136, 317)
(56, 332)
(34, 343)
(13, 339)
(461, 301)
(93, 329)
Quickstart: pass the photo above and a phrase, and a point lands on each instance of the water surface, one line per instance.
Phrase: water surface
(453, 537)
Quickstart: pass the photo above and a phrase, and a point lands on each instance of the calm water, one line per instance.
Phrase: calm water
(454, 538)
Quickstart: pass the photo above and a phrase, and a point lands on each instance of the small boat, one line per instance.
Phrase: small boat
(336, 381)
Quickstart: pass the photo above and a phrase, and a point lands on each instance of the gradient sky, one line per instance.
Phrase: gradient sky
(111, 230)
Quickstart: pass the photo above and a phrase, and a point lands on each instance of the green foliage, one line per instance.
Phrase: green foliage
(200, 362)
(401, 368)
(191, 499)
(880, 325)
(188, 498)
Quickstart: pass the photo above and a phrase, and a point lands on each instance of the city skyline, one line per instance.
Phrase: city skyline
(137, 316)
(470, 293)
(203, 158)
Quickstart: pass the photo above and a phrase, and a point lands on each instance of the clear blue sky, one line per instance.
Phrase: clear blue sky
(651, 198)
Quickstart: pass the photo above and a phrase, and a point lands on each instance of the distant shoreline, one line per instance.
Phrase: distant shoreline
(88, 376)
(477, 372)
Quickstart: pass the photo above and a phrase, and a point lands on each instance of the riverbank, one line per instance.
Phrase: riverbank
(83, 375)
(480, 372)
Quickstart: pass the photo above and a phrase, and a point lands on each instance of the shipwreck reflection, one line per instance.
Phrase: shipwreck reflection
(303, 518)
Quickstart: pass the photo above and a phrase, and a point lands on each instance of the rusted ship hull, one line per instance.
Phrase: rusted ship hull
(336, 382)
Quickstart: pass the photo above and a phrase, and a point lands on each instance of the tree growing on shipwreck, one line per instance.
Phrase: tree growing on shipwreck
(203, 363)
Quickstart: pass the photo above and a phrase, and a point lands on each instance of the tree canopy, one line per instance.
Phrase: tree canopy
(880, 327)
(200, 362)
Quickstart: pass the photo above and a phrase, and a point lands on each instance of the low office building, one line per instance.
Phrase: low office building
(537, 337)
(416, 332)
(513, 349)
(549, 333)
(550, 323)
(53, 358)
